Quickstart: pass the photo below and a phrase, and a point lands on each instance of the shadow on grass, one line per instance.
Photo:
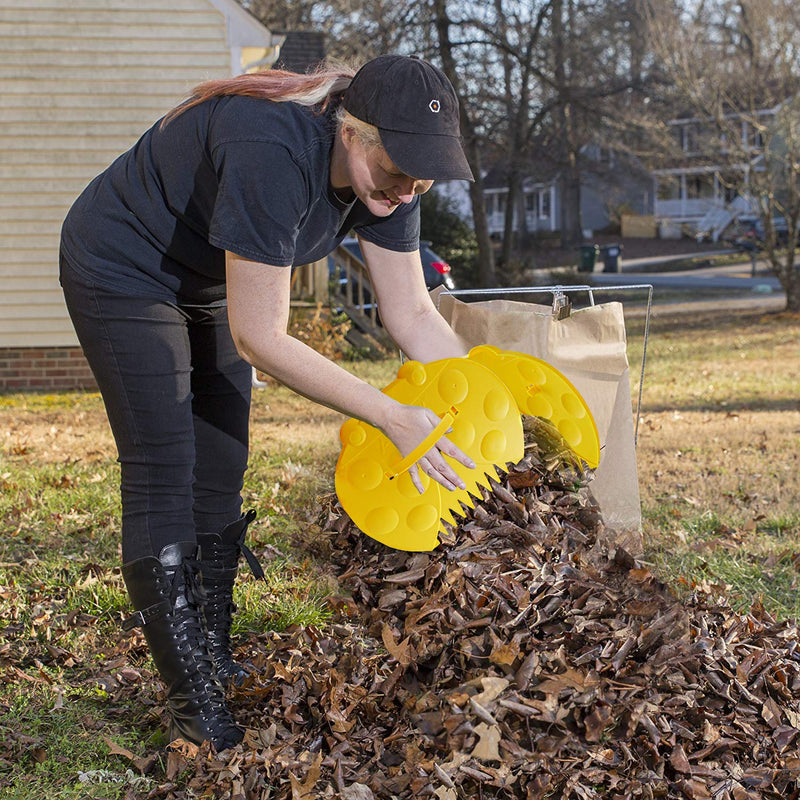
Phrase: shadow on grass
(732, 405)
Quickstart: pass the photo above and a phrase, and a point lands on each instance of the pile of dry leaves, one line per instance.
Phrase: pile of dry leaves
(524, 658)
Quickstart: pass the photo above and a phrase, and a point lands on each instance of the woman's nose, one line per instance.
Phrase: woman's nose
(407, 190)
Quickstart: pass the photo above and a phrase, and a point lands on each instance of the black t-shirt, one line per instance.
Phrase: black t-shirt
(233, 173)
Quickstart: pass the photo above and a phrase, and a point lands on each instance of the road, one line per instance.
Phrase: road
(762, 287)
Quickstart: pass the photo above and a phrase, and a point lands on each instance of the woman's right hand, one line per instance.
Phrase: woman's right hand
(406, 427)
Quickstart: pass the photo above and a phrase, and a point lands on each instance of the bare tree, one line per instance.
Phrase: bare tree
(545, 78)
(472, 141)
(357, 30)
(516, 32)
(735, 67)
(600, 74)
(538, 81)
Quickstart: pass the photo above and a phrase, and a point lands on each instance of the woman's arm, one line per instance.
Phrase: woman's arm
(258, 311)
(407, 311)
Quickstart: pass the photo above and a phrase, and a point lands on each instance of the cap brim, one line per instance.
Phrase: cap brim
(428, 157)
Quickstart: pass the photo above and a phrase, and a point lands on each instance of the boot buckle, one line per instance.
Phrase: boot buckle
(141, 618)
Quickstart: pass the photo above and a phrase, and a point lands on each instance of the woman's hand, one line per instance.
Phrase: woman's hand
(406, 427)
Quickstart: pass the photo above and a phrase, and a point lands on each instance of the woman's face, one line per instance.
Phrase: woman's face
(375, 179)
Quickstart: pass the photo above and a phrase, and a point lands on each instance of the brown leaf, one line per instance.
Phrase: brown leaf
(595, 722)
(401, 652)
(305, 788)
(357, 791)
(505, 654)
(486, 748)
(695, 788)
(679, 761)
(771, 712)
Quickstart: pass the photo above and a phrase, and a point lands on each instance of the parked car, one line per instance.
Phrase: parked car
(434, 267)
(749, 232)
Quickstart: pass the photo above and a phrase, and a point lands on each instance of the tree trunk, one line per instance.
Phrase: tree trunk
(793, 295)
(570, 201)
(486, 268)
(509, 234)
(570, 207)
(789, 278)
(487, 277)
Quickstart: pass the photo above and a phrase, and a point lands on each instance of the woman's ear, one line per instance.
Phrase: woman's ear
(349, 135)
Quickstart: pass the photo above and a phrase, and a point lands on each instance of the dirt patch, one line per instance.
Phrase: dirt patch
(50, 437)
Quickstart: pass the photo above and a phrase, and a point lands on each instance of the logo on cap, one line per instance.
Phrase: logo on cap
(435, 106)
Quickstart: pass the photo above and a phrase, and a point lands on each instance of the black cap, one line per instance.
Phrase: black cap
(414, 107)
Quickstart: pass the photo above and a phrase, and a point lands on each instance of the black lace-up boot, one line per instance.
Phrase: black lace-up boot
(167, 594)
(219, 565)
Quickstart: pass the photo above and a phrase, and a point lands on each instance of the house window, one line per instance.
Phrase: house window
(531, 204)
(687, 138)
(668, 187)
(699, 187)
(489, 203)
(544, 204)
(605, 155)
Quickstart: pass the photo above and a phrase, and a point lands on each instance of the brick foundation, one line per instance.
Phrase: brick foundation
(44, 368)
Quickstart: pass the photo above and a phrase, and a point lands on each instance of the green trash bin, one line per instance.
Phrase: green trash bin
(588, 257)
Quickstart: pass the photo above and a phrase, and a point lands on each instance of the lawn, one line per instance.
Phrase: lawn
(718, 455)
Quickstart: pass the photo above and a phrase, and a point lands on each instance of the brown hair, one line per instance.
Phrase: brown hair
(280, 86)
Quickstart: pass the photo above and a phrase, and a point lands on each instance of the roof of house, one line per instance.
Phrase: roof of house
(301, 50)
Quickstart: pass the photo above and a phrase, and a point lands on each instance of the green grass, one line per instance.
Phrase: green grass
(761, 566)
(292, 594)
(62, 598)
(718, 454)
(51, 737)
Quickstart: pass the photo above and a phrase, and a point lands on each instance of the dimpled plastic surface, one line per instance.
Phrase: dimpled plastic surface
(542, 391)
(372, 482)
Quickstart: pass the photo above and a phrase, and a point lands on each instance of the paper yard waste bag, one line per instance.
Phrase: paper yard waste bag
(590, 348)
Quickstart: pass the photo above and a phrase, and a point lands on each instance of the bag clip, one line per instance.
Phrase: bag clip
(562, 305)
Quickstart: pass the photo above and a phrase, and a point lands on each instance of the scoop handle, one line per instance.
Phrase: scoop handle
(425, 445)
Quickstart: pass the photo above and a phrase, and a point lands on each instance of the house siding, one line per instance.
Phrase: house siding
(80, 80)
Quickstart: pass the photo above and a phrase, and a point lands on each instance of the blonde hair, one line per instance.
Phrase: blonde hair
(326, 83)
(368, 135)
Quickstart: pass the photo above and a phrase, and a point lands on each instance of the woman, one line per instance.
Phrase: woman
(176, 265)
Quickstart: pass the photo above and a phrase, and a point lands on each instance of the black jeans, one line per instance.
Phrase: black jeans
(177, 396)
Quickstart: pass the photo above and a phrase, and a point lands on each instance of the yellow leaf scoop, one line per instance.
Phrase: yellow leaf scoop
(479, 400)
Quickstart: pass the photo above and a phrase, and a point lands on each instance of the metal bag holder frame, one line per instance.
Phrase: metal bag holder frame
(561, 308)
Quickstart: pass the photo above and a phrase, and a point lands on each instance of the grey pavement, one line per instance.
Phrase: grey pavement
(736, 277)
(641, 264)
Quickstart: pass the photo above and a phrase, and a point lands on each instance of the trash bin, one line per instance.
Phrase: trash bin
(612, 255)
(588, 257)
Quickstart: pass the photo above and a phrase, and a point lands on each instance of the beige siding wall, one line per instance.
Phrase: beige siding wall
(80, 80)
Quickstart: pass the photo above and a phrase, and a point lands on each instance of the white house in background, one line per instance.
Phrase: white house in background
(80, 80)
(541, 210)
(612, 182)
(700, 194)
(539, 201)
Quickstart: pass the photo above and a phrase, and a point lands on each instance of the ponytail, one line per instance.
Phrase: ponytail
(280, 86)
